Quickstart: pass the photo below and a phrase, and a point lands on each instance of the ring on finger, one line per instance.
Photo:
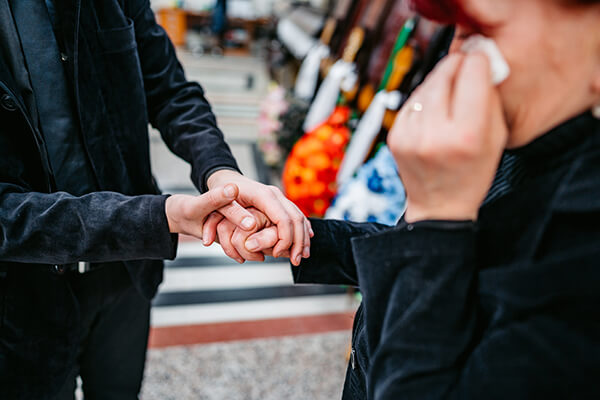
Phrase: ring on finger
(417, 106)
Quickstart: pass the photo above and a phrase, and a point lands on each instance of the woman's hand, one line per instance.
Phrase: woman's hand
(448, 140)
(253, 245)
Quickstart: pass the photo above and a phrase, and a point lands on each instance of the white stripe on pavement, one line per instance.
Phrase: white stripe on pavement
(251, 310)
(222, 278)
(196, 249)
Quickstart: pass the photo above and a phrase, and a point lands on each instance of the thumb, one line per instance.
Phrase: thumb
(215, 199)
(262, 240)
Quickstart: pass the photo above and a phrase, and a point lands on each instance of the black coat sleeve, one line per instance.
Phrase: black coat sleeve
(177, 107)
(58, 228)
(331, 260)
(426, 337)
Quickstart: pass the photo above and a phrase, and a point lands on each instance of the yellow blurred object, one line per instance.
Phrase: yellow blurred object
(174, 22)
(389, 119)
(366, 96)
(402, 64)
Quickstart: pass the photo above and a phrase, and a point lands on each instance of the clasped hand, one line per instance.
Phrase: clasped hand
(248, 219)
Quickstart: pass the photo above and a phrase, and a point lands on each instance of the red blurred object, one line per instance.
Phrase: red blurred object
(309, 176)
(449, 12)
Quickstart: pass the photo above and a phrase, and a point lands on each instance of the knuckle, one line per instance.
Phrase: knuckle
(187, 210)
(275, 190)
(286, 220)
(212, 199)
(272, 235)
(399, 145)
(463, 152)
(267, 240)
(229, 253)
(426, 153)
(238, 213)
(223, 229)
(238, 241)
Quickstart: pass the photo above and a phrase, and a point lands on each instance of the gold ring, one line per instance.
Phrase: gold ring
(418, 107)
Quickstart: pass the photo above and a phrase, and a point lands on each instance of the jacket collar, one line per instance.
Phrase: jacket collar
(560, 141)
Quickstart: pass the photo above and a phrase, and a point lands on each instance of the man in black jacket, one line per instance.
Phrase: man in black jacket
(83, 226)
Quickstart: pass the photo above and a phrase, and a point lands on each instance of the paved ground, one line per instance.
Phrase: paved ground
(293, 368)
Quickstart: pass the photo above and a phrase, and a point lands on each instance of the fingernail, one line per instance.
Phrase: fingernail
(306, 253)
(229, 191)
(312, 233)
(248, 222)
(298, 259)
(205, 242)
(252, 245)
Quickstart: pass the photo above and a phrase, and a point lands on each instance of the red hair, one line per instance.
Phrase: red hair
(449, 12)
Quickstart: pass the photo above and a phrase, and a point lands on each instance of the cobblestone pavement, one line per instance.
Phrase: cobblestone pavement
(294, 368)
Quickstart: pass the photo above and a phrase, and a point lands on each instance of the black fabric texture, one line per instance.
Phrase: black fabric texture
(504, 308)
(57, 122)
(123, 74)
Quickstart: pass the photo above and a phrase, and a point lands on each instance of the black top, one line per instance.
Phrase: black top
(53, 95)
(506, 309)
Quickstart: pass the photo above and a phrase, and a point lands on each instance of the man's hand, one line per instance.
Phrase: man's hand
(187, 214)
(264, 241)
(293, 229)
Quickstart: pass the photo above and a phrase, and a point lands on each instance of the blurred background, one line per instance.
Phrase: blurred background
(305, 93)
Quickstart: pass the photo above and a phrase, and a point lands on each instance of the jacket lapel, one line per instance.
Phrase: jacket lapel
(13, 73)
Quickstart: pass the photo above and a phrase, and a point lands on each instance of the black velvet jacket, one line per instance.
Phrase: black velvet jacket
(124, 74)
(507, 309)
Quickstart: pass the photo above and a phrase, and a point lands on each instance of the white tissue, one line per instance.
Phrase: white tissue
(498, 65)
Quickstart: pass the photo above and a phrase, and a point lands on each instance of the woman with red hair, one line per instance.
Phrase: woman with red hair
(489, 287)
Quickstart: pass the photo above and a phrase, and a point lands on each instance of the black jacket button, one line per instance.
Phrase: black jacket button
(8, 103)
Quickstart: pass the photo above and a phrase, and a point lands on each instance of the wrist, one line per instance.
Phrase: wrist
(221, 177)
(169, 214)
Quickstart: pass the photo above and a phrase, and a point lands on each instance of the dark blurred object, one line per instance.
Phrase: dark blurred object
(222, 34)
(291, 125)
(219, 19)
(437, 48)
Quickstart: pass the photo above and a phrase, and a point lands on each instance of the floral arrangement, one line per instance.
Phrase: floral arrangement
(309, 176)
(273, 106)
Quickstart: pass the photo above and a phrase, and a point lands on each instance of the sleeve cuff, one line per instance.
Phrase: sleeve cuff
(421, 251)
(166, 242)
(204, 181)
(421, 238)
